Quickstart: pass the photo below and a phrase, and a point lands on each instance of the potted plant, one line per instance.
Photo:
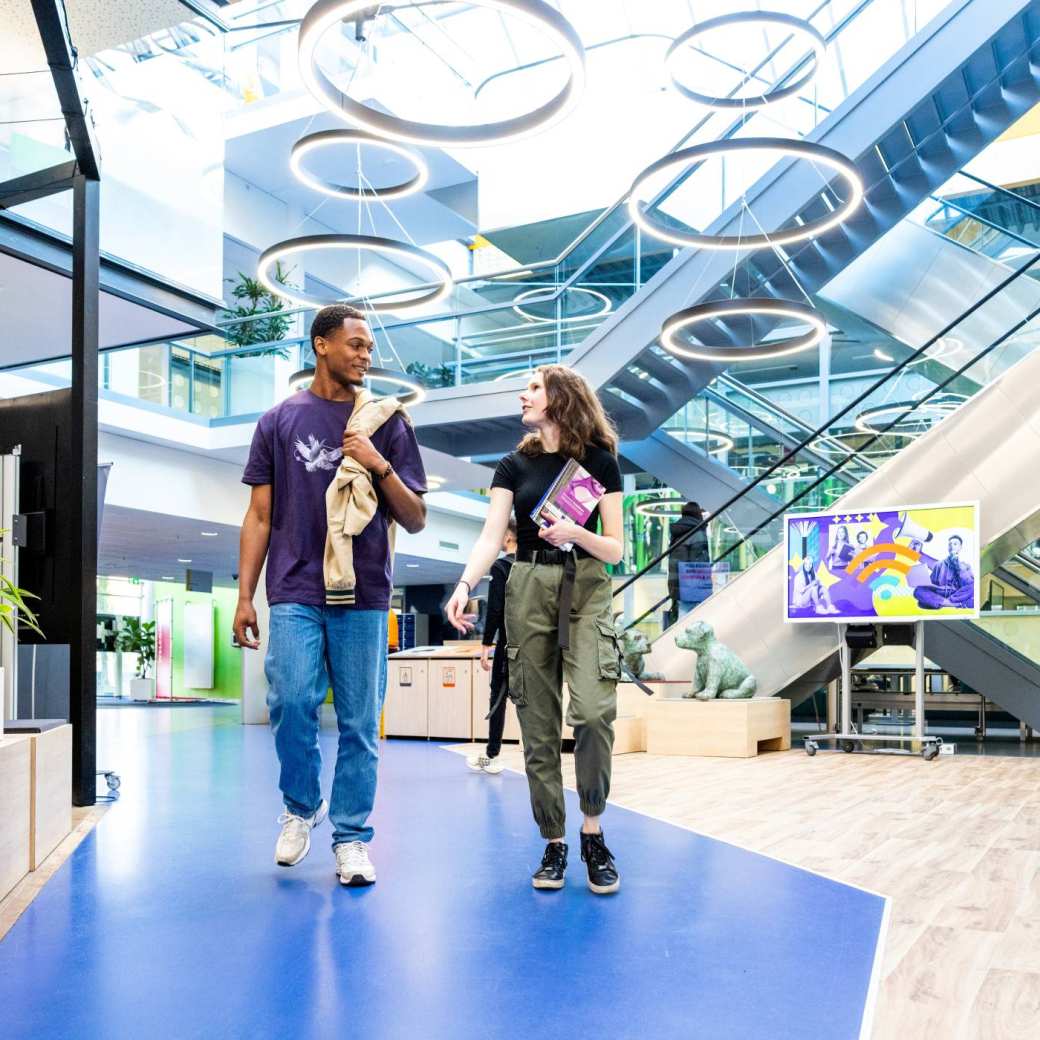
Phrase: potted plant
(138, 637)
(15, 613)
(255, 298)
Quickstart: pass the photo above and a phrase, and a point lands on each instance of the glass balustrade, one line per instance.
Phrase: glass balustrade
(904, 404)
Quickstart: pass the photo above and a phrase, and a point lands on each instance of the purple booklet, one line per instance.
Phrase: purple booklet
(573, 495)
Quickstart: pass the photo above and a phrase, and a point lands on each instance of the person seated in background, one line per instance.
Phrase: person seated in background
(953, 584)
(809, 590)
(495, 639)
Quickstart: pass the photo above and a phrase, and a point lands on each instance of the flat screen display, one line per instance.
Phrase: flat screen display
(907, 563)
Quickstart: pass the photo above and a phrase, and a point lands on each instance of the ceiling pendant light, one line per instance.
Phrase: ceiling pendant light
(641, 212)
(326, 139)
(749, 20)
(722, 310)
(327, 14)
(387, 246)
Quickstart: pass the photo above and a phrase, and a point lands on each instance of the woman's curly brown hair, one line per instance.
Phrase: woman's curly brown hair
(577, 412)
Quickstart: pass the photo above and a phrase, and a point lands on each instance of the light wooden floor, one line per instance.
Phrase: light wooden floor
(954, 843)
(13, 905)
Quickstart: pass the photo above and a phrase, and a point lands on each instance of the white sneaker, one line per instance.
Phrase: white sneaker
(353, 865)
(481, 763)
(295, 840)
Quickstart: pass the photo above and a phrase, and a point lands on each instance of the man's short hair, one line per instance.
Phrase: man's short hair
(958, 539)
(328, 319)
(511, 527)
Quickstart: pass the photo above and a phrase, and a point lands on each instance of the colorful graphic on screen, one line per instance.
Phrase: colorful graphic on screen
(912, 564)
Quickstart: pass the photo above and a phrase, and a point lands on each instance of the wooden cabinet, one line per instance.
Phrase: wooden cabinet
(451, 698)
(406, 711)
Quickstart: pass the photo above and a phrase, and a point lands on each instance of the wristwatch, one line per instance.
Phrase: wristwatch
(386, 473)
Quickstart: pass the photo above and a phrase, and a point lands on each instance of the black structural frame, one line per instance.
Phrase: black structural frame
(82, 177)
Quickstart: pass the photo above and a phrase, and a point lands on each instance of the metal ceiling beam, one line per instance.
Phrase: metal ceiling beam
(62, 59)
(37, 185)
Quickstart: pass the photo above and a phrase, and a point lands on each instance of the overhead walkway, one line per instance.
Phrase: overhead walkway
(950, 91)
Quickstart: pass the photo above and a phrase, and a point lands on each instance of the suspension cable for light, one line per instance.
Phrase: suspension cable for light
(722, 310)
(325, 139)
(294, 246)
(326, 14)
(815, 153)
(745, 18)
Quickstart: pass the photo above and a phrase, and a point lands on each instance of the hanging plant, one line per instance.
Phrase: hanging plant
(255, 298)
(432, 376)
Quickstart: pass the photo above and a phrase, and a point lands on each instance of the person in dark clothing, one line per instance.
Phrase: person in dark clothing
(495, 638)
(693, 550)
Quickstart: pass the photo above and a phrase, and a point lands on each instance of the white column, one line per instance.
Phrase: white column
(254, 682)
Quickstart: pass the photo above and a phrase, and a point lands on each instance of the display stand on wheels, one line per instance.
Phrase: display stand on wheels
(847, 738)
(871, 571)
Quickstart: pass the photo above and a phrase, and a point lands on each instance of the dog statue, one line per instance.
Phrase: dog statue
(719, 672)
(634, 647)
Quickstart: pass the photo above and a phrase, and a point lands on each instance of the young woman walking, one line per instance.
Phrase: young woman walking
(559, 623)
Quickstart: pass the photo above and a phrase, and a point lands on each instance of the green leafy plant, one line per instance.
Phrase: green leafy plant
(255, 298)
(138, 637)
(430, 375)
(14, 610)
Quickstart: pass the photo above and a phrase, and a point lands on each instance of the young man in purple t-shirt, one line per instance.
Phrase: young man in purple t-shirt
(295, 453)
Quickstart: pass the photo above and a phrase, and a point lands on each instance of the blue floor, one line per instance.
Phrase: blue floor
(172, 921)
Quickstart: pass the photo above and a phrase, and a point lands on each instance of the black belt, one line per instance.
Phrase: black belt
(567, 560)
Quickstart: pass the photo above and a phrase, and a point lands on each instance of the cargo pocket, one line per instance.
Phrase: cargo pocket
(517, 693)
(609, 652)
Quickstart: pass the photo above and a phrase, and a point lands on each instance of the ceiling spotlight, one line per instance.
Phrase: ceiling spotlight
(183, 561)
(813, 153)
(167, 577)
(335, 138)
(209, 534)
(411, 565)
(881, 355)
(748, 19)
(328, 14)
(721, 310)
(387, 246)
(548, 295)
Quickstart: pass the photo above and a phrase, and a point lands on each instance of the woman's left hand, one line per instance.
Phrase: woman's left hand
(560, 533)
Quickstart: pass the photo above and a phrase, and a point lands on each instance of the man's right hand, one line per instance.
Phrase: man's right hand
(245, 622)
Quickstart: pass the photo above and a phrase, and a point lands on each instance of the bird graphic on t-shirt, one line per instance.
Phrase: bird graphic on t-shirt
(317, 454)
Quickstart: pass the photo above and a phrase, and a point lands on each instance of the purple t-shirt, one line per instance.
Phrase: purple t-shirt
(297, 447)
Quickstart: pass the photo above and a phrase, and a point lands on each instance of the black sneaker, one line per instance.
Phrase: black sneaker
(603, 875)
(554, 865)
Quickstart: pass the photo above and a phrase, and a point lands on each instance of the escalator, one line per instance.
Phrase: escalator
(952, 89)
(973, 449)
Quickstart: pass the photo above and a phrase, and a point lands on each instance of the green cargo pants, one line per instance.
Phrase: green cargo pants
(537, 668)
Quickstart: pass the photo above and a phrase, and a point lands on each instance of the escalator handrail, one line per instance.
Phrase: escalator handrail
(920, 351)
(1031, 203)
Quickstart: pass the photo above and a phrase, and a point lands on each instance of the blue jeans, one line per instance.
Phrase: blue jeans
(309, 648)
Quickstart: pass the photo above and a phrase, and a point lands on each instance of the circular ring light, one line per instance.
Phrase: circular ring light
(657, 508)
(335, 138)
(302, 379)
(542, 295)
(416, 391)
(806, 150)
(326, 14)
(907, 415)
(748, 18)
(721, 309)
(294, 246)
(723, 442)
